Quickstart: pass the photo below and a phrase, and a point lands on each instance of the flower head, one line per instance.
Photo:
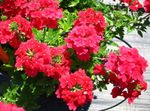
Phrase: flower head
(15, 30)
(43, 13)
(135, 5)
(31, 56)
(59, 64)
(11, 8)
(75, 89)
(99, 69)
(126, 73)
(5, 33)
(147, 5)
(91, 17)
(84, 40)
(9, 107)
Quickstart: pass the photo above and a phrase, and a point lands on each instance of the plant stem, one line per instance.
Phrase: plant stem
(113, 105)
(123, 41)
(44, 33)
(146, 16)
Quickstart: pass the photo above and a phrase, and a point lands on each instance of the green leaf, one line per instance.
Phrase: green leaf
(38, 34)
(3, 17)
(140, 33)
(67, 21)
(74, 3)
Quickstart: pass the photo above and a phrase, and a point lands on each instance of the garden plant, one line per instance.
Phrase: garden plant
(63, 47)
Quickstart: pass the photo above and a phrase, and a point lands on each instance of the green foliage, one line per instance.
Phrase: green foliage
(11, 94)
(66, 23)
(25, 91)
(72, 5)
(3, 17)
(55, 37)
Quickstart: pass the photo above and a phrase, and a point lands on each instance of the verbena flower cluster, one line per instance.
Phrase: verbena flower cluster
(41, 13)
(75, 89)
(126, 73)
(10, 107)
(135, 4)
(86, 34)
(124, 68)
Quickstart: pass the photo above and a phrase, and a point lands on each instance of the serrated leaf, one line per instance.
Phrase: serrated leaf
(140, 33)
(38, 34)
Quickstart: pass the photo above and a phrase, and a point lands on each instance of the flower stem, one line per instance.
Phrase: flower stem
(44, 33)
(123, 41)
(113, 105)
(146, 16)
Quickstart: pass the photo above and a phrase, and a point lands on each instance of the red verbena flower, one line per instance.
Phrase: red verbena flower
(75, 89)
(91, 17)
(59, 64)
(43, 13)
(130, 89)
(31, 56)
(135, 5)
(126, 72)
(5, 33)
(99, 69)
(146, 5)
(128, 63)
(22, 30)
(11, 8)
(15, 42)
(116, 91)
(9, 107)
(15, 30)
(84, 40)
(134, 90)
(23, 26)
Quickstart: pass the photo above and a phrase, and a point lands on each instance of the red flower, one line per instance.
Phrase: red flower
(126, 73)
(15, 42)
(127, 1)
(134, 90)
(116, 91)
(23, 26)
(147, 5)
(22, 32)
(59, 64)
(99, 69)
(31, 56)
(43, 13)
(12, 8)
(111, 63)
(75, 89)
(5, 33)
(15, 30)
(135, 5)
(9, 107)
(91, 17)
(84, 40)
(128, 63)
